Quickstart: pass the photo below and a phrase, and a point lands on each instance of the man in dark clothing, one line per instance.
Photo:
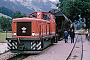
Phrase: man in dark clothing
(72, 35)
(66, 36)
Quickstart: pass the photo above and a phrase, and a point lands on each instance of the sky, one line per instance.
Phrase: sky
(54, 0)
(31, 0)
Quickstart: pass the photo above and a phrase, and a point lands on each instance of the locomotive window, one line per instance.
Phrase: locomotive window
(34, 16)
(46, 16)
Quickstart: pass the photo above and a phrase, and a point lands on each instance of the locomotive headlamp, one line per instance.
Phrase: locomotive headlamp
(38, 14)
(14, 33)
(33, 34)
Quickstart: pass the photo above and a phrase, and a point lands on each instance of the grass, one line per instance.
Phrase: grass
(3, 36)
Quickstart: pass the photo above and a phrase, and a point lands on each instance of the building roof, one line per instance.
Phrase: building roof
(56, 12)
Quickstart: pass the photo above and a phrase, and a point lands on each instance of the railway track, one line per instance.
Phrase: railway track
(7, 56)
(19, 57)
(13, 56)
(77, 50)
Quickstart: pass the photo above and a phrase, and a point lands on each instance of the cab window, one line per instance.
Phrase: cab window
(33, 15)
(46, 16)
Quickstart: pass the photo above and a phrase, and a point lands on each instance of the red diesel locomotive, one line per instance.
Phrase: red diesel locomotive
(33, 34)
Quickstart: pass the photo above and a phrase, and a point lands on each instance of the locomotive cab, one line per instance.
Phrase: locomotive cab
(32, 34)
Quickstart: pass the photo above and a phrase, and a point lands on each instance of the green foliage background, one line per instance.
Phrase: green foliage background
(73, 8)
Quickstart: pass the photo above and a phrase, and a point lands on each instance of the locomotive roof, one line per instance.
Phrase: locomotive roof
(28, 18)
(24, 19)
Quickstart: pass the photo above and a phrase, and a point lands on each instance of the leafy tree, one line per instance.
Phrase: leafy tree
(73, 8)
(24, 15)
(5, 23)
(18, 14)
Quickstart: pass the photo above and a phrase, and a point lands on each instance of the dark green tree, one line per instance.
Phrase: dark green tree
(24, 15)
(73, 8)
(5, 23)
(18, 14)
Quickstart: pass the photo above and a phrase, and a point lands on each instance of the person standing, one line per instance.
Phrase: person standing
(72, 35)
(66, 36)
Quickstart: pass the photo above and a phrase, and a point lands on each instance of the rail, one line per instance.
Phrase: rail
(77, 50)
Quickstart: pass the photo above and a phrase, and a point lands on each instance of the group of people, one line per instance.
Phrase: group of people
(72, 35)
